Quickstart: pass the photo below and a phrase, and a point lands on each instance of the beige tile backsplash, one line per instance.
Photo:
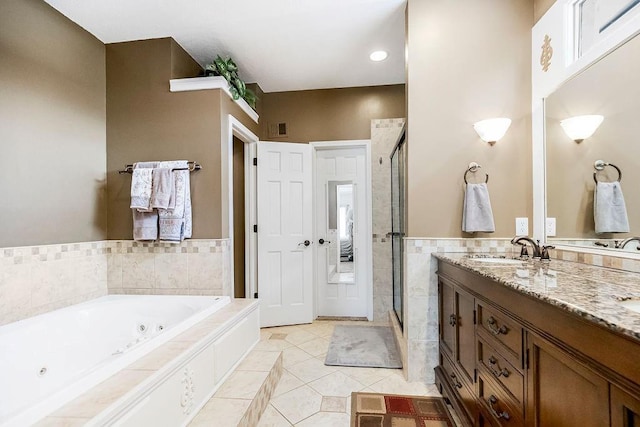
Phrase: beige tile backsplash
(37, 279)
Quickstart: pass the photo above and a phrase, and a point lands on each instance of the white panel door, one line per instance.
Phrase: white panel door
(285, 255)
(343, 284)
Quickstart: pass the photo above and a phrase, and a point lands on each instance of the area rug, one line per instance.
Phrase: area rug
(368, 346)
(386, 410)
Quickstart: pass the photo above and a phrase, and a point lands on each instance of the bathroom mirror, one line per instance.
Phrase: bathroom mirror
(611, 88)
(340, 254)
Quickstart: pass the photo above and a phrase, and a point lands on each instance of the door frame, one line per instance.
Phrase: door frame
(240, 131)
(368, 256)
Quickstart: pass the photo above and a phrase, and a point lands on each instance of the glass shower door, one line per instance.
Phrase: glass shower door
(397, 221)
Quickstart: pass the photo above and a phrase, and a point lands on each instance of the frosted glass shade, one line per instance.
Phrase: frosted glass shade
(580, 128)
(491, 130)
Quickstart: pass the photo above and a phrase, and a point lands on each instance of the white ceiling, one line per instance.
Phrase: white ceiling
(281, 44)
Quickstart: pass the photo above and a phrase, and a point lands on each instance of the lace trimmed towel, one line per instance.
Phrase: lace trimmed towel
(141, 184)
(175, 224)
(162, 189)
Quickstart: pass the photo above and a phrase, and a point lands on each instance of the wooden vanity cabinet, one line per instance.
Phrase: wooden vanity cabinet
(457, 342)
(562, 391)
(508, 359)
(625, 409)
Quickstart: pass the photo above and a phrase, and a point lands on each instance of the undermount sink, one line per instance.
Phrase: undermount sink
(498, 260)
(631, 304)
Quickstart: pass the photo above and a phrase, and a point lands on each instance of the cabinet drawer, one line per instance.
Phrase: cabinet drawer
(505, 332)
(496, 401)
(460, 385)
(497, 366)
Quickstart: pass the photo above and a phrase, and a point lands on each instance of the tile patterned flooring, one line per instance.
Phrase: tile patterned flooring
(312, 394)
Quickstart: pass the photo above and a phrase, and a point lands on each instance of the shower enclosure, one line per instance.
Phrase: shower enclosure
(398, 164)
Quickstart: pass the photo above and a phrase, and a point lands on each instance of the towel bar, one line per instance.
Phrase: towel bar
(473, 167)
(600, 165)
(193, 166)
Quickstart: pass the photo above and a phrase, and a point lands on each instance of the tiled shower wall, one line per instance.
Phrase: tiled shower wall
(384, 135)
(37, 279)
(421, 297)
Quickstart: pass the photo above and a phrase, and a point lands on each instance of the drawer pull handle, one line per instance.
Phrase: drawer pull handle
(495, 368)
(455, 379)
(493, 326)
(492, 401)
(453, 320)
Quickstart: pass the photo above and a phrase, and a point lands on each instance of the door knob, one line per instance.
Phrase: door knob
(322, 241)
(305, 243)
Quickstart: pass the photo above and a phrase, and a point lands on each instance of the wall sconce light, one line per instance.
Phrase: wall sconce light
(491, 130)
(580, 128)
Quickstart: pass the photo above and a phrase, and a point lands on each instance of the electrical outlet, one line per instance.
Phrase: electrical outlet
(551, 227)
(522, 226)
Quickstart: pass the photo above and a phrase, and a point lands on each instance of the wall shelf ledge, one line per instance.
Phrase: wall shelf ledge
(206, 83)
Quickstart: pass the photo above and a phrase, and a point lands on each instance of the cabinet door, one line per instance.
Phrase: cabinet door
(448, 318)
(562, 391)
(466, 342)
(625, 409)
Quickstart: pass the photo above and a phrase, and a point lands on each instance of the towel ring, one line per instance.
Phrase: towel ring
(600, 165)
(473, 167)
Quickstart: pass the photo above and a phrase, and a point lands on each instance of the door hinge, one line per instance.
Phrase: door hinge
(475, 375)
(255, 161)
(255, 295)
(474, 318)
(255, 228)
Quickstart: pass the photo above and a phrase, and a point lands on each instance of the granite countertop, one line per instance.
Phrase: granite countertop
(591, 292)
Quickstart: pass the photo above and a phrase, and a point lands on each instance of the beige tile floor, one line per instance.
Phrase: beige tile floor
(312, 394)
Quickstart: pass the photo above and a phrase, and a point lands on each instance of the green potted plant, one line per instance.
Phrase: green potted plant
(229, 70)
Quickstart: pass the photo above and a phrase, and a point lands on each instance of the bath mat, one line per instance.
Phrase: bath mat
(367, 346)
(371, 409)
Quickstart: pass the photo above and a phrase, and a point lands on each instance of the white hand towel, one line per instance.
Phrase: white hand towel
(141, 184)
(175, 224)
(476, 212)
(145, 225)
(162, 188)
(609, 209)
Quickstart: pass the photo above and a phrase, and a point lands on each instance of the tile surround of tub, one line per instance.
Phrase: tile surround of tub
(421, 297)
(384, 135)
(194, 267)
(38, 279)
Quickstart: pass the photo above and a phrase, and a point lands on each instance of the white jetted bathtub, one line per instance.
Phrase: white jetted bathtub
(48, 360)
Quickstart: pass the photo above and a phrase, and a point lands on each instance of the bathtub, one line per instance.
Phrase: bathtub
(50, 359)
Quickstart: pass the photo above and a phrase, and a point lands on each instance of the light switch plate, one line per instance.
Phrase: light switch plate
(522, 226)
(551, 227)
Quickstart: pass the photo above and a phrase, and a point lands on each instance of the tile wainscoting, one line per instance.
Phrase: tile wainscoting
(38, 279)
(195, 267)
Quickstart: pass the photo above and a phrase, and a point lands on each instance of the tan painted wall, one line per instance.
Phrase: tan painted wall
(147, 122)
(610, 88)
(331, 114)
(52, 132)
(468, 60)
(540, 7)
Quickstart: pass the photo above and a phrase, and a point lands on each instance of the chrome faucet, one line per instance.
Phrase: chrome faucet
(518, 240)
(622, 244)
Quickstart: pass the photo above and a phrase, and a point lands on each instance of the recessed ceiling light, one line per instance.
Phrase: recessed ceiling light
(378, 55)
